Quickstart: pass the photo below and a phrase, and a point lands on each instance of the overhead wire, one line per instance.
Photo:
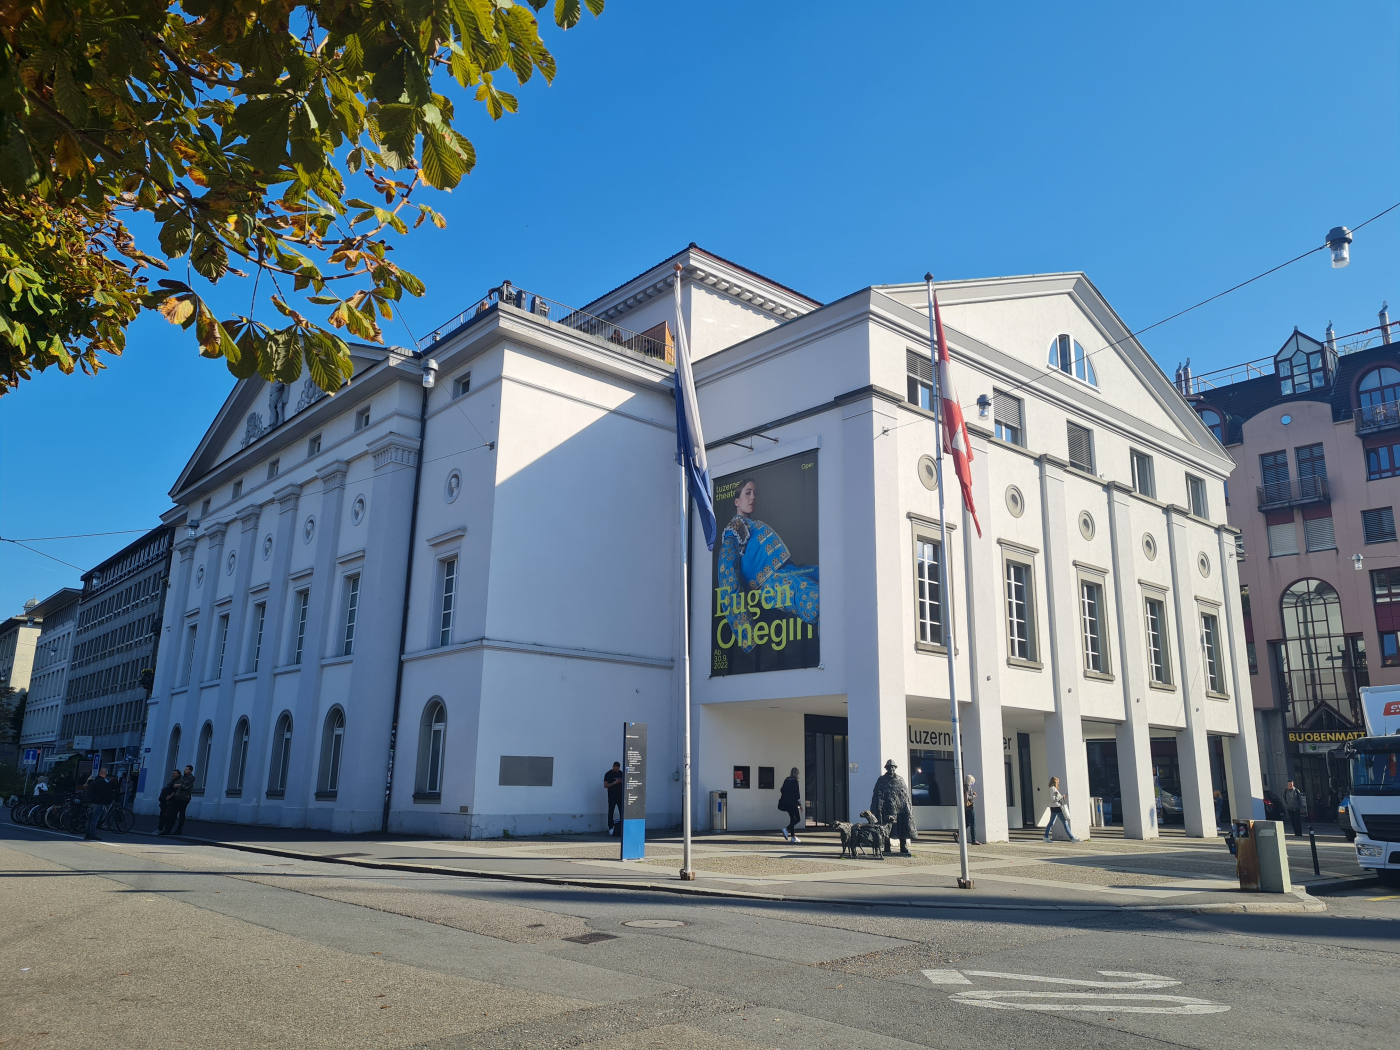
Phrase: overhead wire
(41, 554)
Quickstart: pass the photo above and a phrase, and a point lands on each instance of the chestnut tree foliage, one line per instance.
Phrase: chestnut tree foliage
(275, 140)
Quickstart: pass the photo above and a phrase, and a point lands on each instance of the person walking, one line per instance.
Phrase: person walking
(167, 803)
(99, 793)
(183, 793)
(1294, 801)
(1059, 803)
(790, 802)
(615, 782)
(969, 810)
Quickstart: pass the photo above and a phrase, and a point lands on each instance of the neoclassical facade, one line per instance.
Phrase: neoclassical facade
(433, 612)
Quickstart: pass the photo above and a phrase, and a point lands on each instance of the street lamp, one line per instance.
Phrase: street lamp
(1339, 240)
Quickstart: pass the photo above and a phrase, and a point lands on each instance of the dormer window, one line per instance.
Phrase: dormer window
(1303, 365)
(1069, 357)
(1213, 419)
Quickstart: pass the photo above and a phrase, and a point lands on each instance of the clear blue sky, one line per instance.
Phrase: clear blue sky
(1169, 152)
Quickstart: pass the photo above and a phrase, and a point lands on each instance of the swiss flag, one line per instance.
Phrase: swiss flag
(955, 441)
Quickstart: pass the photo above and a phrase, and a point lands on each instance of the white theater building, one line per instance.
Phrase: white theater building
(496, 633)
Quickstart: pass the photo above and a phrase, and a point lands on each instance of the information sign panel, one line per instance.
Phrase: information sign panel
(634, 790)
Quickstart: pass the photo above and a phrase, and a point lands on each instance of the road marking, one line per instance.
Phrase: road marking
(1139, 980)
(1093, 1002)
(945, 977)
(1373, 899)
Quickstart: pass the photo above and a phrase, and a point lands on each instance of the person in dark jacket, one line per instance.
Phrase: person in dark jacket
(615, 781)
(1294, 803)
(790, 802)
(183, 794)
(99, 793)
(167, 803)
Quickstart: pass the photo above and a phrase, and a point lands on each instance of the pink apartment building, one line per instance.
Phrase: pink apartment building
(1315, 435)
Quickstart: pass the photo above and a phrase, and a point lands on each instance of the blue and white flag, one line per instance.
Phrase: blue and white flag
(690, 442)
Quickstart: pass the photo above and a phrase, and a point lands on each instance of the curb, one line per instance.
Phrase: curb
(1342, 881)
(1303, 903)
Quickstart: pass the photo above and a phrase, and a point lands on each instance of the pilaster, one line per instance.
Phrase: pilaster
(1192, 745)
(1247, 786)
(216, 782)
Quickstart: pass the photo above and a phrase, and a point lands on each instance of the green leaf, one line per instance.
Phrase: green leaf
(72, 102)
(307, 149)
(567, 13)
(175, 236)
(210, 258)
(595, 7)
(442, 164)
(352, 55)
(398, 127)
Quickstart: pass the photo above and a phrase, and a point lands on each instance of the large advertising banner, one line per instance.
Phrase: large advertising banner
(765, 605)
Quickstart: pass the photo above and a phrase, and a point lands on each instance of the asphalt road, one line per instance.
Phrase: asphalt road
(141, 943)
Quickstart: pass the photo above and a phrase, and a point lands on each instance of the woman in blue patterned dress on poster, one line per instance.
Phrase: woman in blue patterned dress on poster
(753, 558)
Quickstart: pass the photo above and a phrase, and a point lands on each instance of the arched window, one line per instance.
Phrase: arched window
(432, 730)
(1213, 419)
(332, 746)
(281, 756)
(201, 756)
(1069, 357)
(1319, 661)
(172, 754)
(1379, 392)
(238, 760)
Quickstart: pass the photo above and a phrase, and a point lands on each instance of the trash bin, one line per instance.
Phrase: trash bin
(719, 810)
(1246, 855)
(1095, 812)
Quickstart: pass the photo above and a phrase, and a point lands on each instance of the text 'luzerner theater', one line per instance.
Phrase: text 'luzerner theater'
(464, 592)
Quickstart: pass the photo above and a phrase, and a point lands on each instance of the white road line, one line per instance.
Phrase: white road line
(945, 977)
(1138, 980)
(1093, 1002)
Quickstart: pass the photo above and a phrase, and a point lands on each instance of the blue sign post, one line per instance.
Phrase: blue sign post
(634, 790)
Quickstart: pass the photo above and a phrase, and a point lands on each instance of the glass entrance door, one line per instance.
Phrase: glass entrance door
(828, 784)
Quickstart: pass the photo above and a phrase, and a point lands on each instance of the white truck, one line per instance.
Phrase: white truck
(1373, 774)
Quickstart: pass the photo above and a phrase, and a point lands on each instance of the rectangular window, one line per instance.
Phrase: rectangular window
(929, 596)
(932, 778)
(1090, 615)
(237, 488)
(303, 600)
(259, 618)
(1009, 424)
(352, 608)
(1382, 462)
(362, 418)
(1020, 612)
(1158, 662)
(1390, 649)
(1378, 525)
(1143, 480)
(313, 446)
(1311, 462)
(223, 647)
(1210, 648)
(449, 601)
(272, 469)
(920, 379)
(1385, 586)
(1081, 447)
(1319, 534)
(190, 635)
(1273, 472)
(1196, 489)
(204, 508)
(1283, 539)
(461, 385)
(1252, 654)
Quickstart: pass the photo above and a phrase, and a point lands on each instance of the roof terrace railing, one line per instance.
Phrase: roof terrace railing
(1385, 416)
(655, 343)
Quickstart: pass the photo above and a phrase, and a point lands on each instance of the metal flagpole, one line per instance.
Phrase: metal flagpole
(687, 872)
(947, 592)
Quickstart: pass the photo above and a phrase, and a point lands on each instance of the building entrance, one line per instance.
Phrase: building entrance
(828, 784)
(1023, 759)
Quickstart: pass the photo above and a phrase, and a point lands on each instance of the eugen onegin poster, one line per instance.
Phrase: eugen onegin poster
(765, 611)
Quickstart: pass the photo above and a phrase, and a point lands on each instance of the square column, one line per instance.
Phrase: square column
(1242, 754)
(873, 615)
(982, 729)
(216, 780)
(1192, 745)
(1134, 737)
(1064, 731)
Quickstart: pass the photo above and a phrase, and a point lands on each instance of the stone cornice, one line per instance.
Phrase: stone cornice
(287, 496)
(395, 449)
(250, 516)
(332, 475)
(714, 274)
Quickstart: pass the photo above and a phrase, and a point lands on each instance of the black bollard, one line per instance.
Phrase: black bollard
(1312, 841)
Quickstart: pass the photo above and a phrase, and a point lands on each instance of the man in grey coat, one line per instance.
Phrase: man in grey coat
(1295, 803)
(892, 804)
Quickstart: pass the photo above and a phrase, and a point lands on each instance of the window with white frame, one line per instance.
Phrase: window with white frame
(191, 633)
(432, 733)
(1081, 447)
(273, 468)
(1069, 357)
(928, 591)
(201, 756)
(1010, 424)
(1210, 650)
(259, 619)
(1196, 490)
(223, 647)
(362, 418)
(1092, 626)
(238, 488)
(281, 756)
(332, 747)
(461, 385)
(1020, 612)
(1158, 659)
(238, 761)
(1144, 481)
(352, 609)
(313, 446)
(303, 606)
(920, 379)
(447, 588)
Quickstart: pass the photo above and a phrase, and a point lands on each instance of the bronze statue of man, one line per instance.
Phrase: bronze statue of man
(892, 804)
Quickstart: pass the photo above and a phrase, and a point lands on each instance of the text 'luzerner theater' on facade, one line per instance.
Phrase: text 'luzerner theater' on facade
(1095, 621)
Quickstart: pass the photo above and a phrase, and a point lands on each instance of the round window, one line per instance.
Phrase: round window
(1286, 420)
(1203, 563)
(1086, 524)
(928, 473)
(1149, 546)
(357, 510)
(1015, 502)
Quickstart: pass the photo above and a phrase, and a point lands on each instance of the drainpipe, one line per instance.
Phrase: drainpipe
(430, 368)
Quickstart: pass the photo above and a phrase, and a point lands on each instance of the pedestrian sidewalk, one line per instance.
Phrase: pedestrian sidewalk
(1108, 872)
